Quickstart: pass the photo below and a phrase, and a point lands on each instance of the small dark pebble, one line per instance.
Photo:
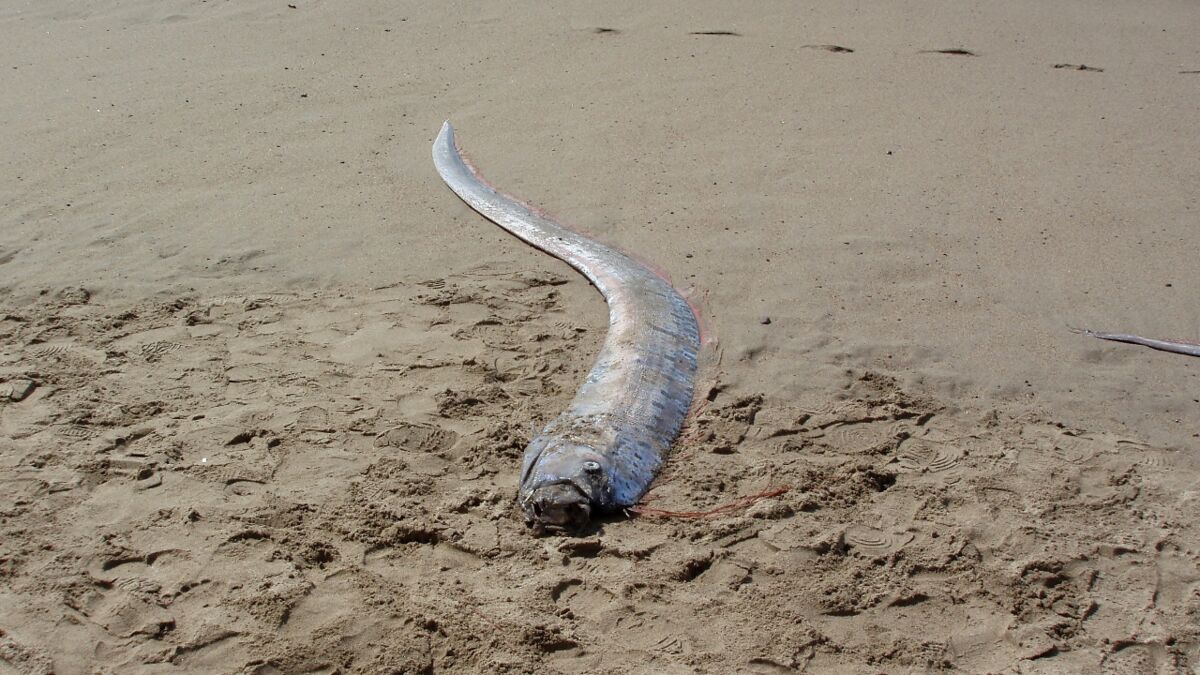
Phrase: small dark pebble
(837, 49)
(766, 321)
(953, 52)
(1072, 66)
(20, 390)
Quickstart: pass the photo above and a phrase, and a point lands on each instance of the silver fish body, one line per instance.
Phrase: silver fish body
(602, 453)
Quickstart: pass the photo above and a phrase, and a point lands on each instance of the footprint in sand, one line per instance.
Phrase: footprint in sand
(610, 614)
(76, 432)
(417, 438)
(238, 487)
(251, 372)
(872, 542)
(153, 351)
(71, 353)
(49, 351)
(1075, 449)
(232, 473)
(493, 333)
(315, 419)
(1146, 456)
(1155, 462)
(447, 294)
(936, 459)
(248, 301)
(863, 437)
(124, 600)
(535, 279)
(1066, 446)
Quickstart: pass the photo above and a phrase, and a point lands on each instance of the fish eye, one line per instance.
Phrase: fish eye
(591, 467)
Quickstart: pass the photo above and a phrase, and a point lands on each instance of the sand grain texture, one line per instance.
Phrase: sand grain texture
(265, 383)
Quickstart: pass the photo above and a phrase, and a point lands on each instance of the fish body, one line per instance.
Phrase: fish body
(602, 453)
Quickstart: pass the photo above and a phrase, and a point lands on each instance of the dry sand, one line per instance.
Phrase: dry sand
(268, 381)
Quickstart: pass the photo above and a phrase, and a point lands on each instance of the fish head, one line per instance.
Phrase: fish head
(558, 506)
(564, 483)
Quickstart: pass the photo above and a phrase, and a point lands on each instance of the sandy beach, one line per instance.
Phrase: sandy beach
(265, 382)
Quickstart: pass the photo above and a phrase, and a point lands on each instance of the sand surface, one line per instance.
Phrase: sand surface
(265, 382)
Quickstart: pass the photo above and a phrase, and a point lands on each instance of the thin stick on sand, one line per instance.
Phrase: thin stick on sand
(1174, 346)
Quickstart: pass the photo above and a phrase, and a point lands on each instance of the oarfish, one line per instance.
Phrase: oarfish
(1176, 346)
(602, 453)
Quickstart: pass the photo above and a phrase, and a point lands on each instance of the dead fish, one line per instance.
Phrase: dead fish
(1178, 347)
(602, 453)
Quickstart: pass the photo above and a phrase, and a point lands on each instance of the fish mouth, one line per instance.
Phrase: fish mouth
(559, 505)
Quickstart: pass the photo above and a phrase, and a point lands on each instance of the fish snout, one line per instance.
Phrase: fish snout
(558, 506)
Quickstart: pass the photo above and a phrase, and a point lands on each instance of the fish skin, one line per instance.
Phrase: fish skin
(603, 452)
